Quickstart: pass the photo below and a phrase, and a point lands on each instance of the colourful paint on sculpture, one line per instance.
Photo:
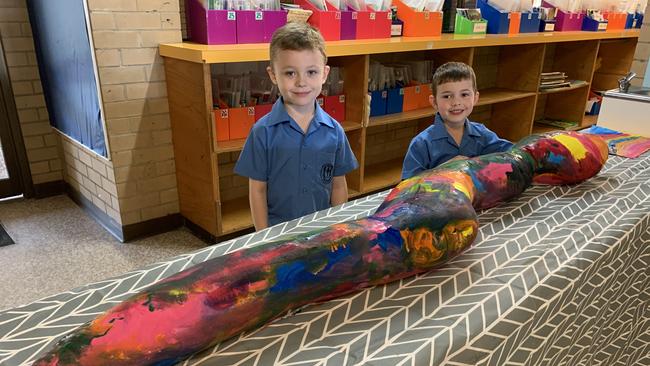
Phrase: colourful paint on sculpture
(425, 221)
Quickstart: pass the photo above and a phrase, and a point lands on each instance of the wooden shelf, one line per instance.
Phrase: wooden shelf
(487, 96)
(400, 117)
(237, 145)
(539, 128)
(201, 53)
(383, 175)
(577, 84)
(590, 119)
(235, 215)
(351, 126)
(498, 95)
(230, 146)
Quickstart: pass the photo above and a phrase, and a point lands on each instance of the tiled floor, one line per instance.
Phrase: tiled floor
(59, 247)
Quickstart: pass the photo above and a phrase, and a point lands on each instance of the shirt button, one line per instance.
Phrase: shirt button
(304, 166)
(304, 190)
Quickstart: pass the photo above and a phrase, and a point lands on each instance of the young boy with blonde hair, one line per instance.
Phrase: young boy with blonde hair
(452, 135)
(296, 157)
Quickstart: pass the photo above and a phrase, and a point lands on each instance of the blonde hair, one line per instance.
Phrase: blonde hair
(297, 36)
(452, 71)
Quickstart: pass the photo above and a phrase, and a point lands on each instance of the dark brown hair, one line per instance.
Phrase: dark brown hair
(452, 71)
(297, 36)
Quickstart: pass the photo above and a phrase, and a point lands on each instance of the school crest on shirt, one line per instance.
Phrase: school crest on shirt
(326, 172)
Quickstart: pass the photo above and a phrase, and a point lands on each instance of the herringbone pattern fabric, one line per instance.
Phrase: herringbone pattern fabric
(559, 276)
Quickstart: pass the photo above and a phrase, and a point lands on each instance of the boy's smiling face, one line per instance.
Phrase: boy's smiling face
(455, 101)
(299, 75)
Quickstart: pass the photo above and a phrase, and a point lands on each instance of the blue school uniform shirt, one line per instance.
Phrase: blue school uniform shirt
(435, 146)
(297, 167)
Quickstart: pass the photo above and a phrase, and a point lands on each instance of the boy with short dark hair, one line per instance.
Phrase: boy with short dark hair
(452, 135)
(296, 157)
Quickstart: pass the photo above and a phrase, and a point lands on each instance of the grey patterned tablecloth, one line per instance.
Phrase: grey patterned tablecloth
(560, 276)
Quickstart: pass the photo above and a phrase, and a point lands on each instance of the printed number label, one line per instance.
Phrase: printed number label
(231, 15)
(602, 26)
(530, 16)
(354, 15)
(224, 113)
(389, 16)
(342, 98)
(417, 89)
(259, 15)
(373, 16)
(384, 94)
(251, 111)
(426, 15)
(401, 91)
(480, 27)
(320, 101)
(338, 15)
(549, 27)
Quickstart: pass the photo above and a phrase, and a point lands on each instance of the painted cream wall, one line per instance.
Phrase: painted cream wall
(126, 37)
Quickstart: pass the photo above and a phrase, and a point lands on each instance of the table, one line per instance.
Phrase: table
(561, 275)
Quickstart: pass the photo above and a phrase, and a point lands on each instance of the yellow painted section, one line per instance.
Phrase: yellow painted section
(573, 144)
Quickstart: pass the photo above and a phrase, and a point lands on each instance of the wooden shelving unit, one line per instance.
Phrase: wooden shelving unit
(382, 175)
(508, 66)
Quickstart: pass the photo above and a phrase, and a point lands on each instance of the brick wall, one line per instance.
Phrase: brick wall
(126, 35)
(40, 139)
(642, 53)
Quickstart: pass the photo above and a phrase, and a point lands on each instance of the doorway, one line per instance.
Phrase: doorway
(14, 169)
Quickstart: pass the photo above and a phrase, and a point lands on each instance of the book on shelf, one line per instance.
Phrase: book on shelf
(559, 124)
(559, 84)
(553, 76)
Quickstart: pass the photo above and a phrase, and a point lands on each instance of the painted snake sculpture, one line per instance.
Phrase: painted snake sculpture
(425, 221)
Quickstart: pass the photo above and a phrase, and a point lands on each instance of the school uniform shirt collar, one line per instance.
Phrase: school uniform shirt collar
(439, 131)
(279, 114)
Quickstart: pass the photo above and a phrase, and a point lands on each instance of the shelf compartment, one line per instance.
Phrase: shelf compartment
(512, 120)
(235, 215)
(237, 145)
(382, 175)
(568, 106)
(575, 59)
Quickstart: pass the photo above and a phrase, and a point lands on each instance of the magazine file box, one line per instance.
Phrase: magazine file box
(328, 22)
(466, 26)
(529, 22)
(211, 26)
(258, 26)
(498, 22)
(419, 23)
(615, 20)
(592, 25)
(378, 99)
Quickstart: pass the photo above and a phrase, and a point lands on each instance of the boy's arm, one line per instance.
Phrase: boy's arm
(415, 160)
(258, 202)
(339, 191)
